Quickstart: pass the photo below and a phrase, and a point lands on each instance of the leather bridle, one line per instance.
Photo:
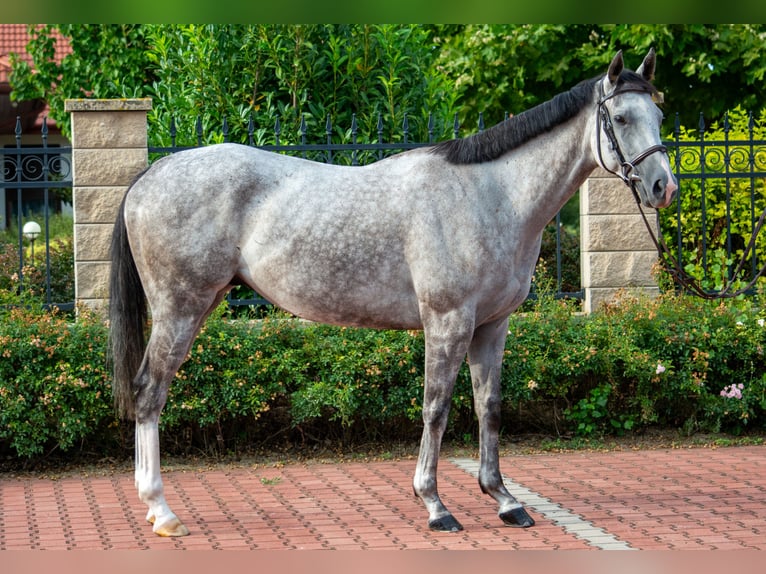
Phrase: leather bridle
(627, 173)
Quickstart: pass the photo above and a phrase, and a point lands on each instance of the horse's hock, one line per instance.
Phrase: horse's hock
(109, 149)
(616, 250)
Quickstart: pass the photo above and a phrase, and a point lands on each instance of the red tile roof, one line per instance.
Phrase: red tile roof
(14, 38)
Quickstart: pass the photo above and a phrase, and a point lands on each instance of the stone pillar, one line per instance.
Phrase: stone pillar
(616, 250)
(109, 148)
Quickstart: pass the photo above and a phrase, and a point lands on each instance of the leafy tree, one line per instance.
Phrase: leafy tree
(507, 68)
(235, 72)
(702, 68)
(705, 69)
(294, 73)
(107, 61)
(286, 71)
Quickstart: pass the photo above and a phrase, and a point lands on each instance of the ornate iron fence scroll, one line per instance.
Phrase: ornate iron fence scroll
(712, 241)
(36, 182)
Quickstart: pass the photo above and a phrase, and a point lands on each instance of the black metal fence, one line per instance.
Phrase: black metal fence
(721, 170)
(36, 183)
(722, 180)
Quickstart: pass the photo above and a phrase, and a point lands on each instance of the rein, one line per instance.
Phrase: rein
(630, 178)
(688, 282)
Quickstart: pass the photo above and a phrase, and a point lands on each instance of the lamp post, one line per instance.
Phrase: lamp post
(31, 231)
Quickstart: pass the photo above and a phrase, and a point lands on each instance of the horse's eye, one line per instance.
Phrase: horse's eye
(618, 119)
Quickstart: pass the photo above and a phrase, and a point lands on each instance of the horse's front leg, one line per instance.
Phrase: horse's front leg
(485, 357)
(446, 345)
(149, 482)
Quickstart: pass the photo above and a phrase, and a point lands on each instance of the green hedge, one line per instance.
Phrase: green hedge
(663, 362)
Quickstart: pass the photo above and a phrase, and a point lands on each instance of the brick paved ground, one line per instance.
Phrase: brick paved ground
(651, 499)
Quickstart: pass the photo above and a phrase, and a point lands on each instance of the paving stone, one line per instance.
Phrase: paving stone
(657, 499)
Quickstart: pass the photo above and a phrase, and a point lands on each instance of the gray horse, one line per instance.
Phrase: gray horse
(442, 238)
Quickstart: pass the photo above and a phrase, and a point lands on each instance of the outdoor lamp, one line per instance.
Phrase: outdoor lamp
(31, 231)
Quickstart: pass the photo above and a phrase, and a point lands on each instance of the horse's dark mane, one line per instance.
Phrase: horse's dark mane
(519, 129)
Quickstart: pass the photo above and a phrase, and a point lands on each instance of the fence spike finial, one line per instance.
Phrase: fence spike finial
(406, 128)
(173, 130)
(456, 127)
(430, 127)
(354, 129)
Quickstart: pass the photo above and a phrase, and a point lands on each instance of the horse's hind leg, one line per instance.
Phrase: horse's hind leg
(485, 356)
(171, 338)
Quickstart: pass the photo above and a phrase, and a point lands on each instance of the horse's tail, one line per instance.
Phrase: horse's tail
(127, 319)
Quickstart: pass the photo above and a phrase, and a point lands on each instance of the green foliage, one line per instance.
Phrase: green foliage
(60, 256)
(591, 414)
(235, 72)
(569, 255)
(640, 362)
(54, 386)
(290, 72)
(700, 67)
(674, 362)
(510, 68)
(107, 61)
(277, 70)
(733, 201)
(355, 374)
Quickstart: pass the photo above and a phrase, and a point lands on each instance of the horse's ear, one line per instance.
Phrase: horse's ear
(646, 69)
(615, 68)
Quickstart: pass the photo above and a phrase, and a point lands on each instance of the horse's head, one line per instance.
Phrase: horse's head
(627, 136)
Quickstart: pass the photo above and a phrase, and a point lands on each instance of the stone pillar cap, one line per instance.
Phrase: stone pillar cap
(110, 105)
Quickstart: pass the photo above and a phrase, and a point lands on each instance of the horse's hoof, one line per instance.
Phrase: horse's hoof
(517, 517)
(445, 524)
(173, 527)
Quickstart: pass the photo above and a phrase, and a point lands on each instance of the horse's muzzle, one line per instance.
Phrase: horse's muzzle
(664, 193)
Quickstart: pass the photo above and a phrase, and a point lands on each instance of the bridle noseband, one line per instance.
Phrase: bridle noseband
(627, 172)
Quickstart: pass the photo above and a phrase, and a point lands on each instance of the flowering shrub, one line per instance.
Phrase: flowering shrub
(674, 362)
(640, 362)
(733, 391)
(54, 385)
(60, 257)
